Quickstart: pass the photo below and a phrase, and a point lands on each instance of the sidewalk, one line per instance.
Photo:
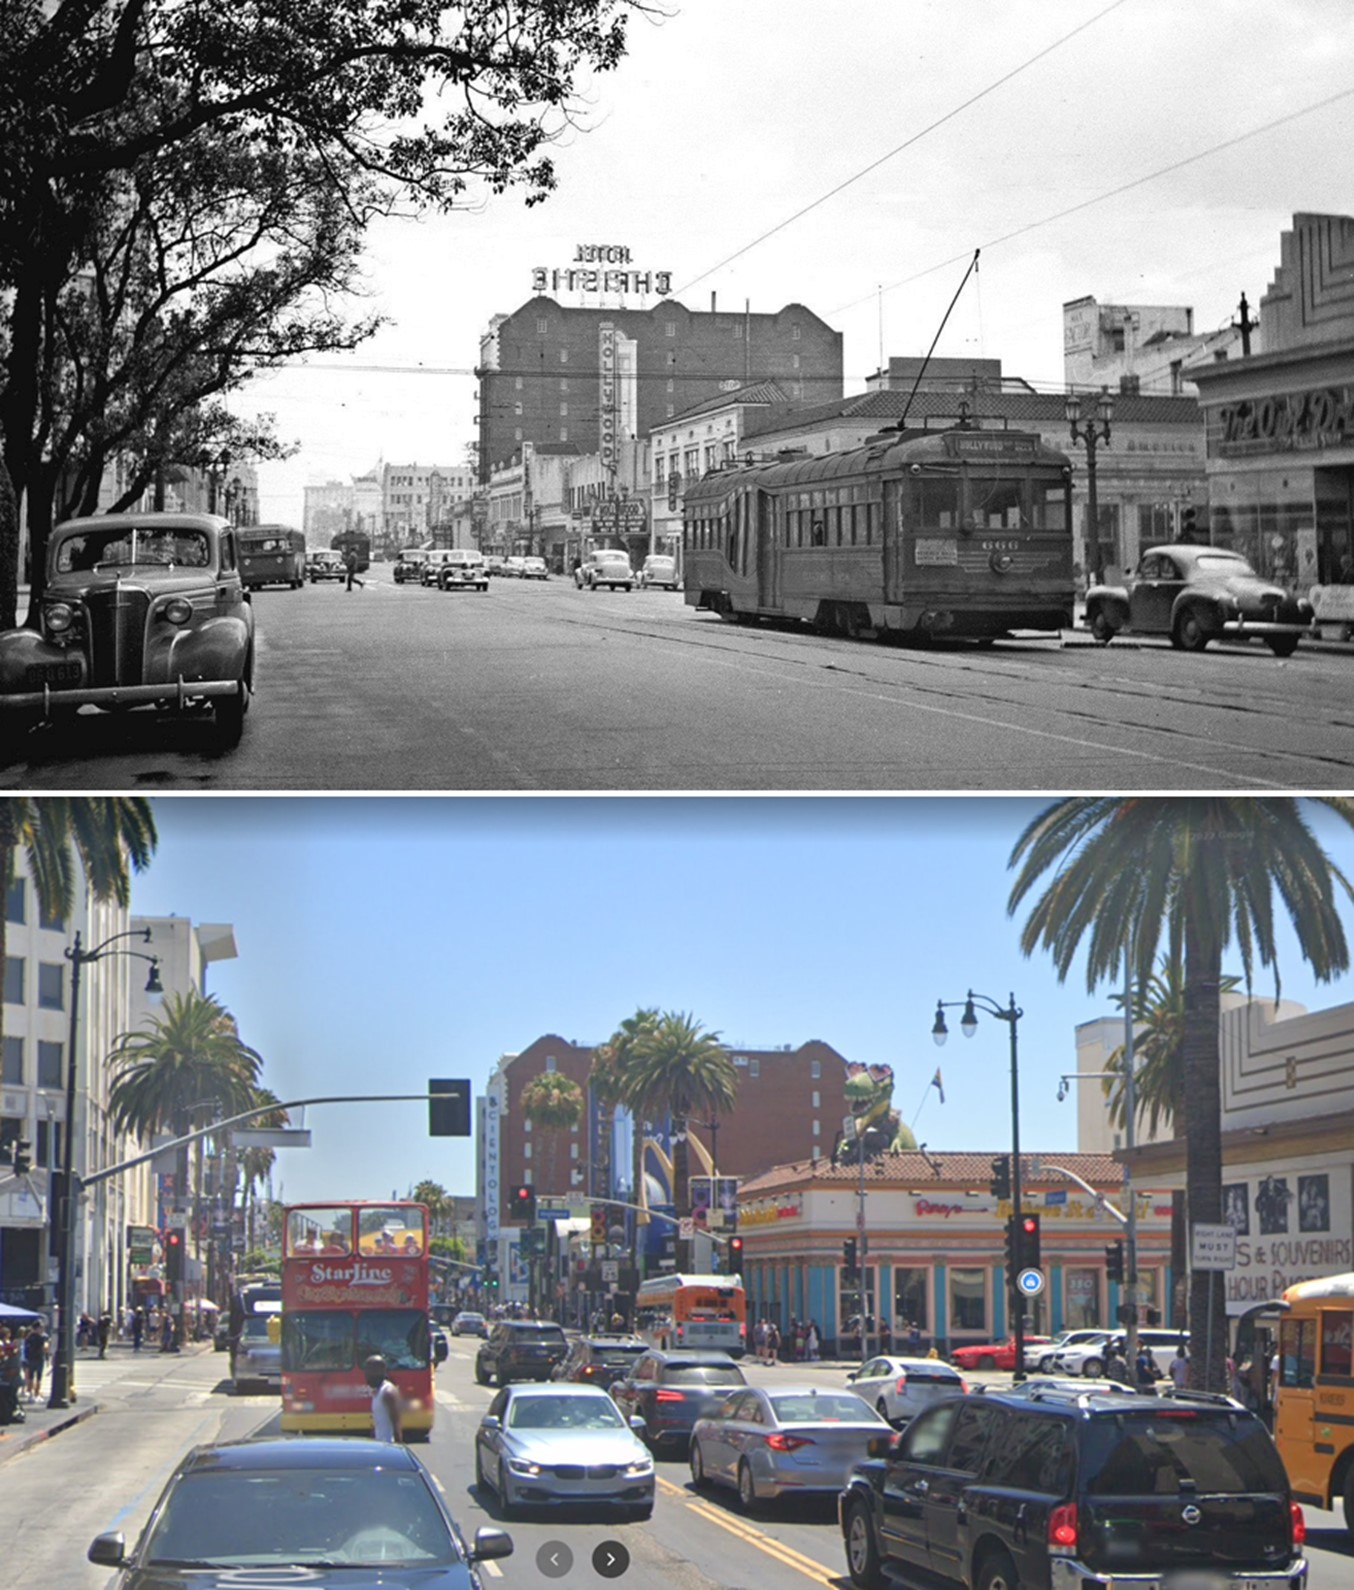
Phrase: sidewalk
(42, 1422)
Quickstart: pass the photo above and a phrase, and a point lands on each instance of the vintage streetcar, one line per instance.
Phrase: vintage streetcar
(921, 533)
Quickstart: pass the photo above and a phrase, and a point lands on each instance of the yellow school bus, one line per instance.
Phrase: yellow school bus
(1314, 1419)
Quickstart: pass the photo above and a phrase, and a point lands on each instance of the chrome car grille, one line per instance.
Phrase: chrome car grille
(593, 1471)
(117, 630)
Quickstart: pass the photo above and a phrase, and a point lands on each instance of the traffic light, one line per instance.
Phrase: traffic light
(1189, 524)
(1114, 1261)
(849, 1255)
(1029, 1242)
(1000, 1185)
(599, 1222)
(448, 1107)
(1012, 1247)
(173, 1257)
(23, 1157)
(524, 1202)
(735, 1253)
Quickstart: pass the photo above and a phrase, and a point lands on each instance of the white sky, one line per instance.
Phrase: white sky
(726, 119)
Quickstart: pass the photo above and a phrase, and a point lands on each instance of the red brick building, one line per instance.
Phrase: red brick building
(581, 378)
(790, 1105)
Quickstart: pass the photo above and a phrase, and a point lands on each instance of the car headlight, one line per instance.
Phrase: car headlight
(642, 1465)
(521, 1466)
(60, 616)
(177, 611)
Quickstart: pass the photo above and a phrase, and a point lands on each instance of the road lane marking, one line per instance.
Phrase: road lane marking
(767, 1544)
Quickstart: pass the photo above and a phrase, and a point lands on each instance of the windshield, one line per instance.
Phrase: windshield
(1224, 563)
(1163, 1453)
(564, 1413)
(239, 1517)
(123, 548)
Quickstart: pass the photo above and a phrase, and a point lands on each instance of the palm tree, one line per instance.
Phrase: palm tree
(554, 1102)
(434, 1196)
(255, 1164)
(1159, 1085)
(610, 1066)
(104, 832)
(677, 1068)
(1203, 869)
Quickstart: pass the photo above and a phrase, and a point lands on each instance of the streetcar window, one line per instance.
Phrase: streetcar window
(1048, 505)
(872, 523)
(994, 504)
(938, 504)
(834, 527)
(851, 523)
(733, 547)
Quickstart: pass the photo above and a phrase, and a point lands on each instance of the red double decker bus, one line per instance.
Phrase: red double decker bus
(354, 1286)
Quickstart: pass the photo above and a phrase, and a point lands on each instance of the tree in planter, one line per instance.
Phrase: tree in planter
(1201, 870)
(428, 106)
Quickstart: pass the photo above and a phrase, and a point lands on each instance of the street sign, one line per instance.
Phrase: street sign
(1212, 1247)
(1031, 1282)
(611, 1271)
(686, 1228)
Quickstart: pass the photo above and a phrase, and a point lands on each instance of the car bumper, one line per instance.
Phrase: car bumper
(526, 1491)
(1243, 627)
(1067, 1574)
(180, 694)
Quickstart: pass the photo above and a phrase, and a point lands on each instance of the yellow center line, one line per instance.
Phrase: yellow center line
(782, 1553)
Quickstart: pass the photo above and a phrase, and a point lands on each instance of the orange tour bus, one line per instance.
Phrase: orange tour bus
(354, 1286)
(693, 1311)
(1314, 1417)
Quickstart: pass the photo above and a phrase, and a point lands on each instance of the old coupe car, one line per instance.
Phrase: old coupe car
(607, 566)
(1197, 594)
(325, 566)
(140, 610)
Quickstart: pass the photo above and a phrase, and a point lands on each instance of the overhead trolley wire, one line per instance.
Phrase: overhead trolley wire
(1099, 198)
(915, 138)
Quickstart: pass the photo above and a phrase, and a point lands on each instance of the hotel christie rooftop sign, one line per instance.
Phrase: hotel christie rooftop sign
(600, 268)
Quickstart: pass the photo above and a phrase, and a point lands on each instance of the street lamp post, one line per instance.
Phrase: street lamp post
(968, 1025)
(64, 1355)
(1093, 430)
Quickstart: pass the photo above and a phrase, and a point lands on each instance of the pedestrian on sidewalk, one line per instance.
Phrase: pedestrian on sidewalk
(350, 563)
(138, 1329)
(772, 1341)
(105, 1329)
(35, 1358)
(811, 1342)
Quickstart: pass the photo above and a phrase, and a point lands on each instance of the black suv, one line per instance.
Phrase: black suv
(670, 1391)
(1056, 1490)
(520, 1349)
(600, 1360)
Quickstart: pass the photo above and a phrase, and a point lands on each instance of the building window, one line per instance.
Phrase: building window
(1081, 1298)
(564, 356)
(909, 1303)
(968, 1300)
(517, 434)
(564, 433)
(549, 1062)
(11, 1130)
(49, 1064)
(542, 326)
(526, 1150)
(574, 1127)
(795, 333)
(573, 1150)
(669, 328)
(564, 384)
(12, 1074)
(815, 1070)
(817, 1100)
(738, 331)
(48, 1153)
(672, 386)
(53, 924)
(754, 1068)
(526, 1124)
(794, 361)
(51, 986)
(519, 383)
(670, 411)
(14, 898)
(817, 1128)
(14, 979)
(564, 411)
(529, 1176)
(517, 409)
(672, 358)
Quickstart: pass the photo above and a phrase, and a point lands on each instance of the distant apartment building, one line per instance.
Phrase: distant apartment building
(1144, 348)
(327, 512)
(417, 498)
(585, 379)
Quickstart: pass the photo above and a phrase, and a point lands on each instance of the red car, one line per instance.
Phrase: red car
(994, 1355)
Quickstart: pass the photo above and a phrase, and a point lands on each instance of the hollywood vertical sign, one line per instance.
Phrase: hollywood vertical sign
(606, 335)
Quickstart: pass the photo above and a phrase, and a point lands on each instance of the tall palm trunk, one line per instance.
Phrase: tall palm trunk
(1203, 1147)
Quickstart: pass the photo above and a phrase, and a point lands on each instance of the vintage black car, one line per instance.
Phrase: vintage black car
(140, 610)
(1197, 594)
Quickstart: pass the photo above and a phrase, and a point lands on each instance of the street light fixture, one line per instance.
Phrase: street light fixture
(64, 1355)
(968, 1025)
(1093, 430)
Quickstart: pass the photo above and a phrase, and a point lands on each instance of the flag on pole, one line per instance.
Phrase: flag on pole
(938, 1085)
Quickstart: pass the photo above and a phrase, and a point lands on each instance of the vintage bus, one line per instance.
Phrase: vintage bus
(921, 533)
(271, 554)
(359, 542)
(1314, 1416)
(354, 1286)
(693, 1311)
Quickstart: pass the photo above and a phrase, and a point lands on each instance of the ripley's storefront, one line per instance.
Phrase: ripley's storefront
(1280, 424)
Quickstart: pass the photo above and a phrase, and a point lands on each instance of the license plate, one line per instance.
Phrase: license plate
(67, 673)
(1210, 1579)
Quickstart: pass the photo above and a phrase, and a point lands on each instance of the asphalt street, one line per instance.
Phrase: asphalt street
(105, 1472)
(541, 687)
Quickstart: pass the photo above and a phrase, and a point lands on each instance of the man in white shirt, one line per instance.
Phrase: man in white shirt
(385, 1401)
(1180, 1368)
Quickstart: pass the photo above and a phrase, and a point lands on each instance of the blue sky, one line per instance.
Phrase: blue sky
(386, 941)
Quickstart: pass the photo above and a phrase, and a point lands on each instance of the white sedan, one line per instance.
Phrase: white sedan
(899, 1388)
